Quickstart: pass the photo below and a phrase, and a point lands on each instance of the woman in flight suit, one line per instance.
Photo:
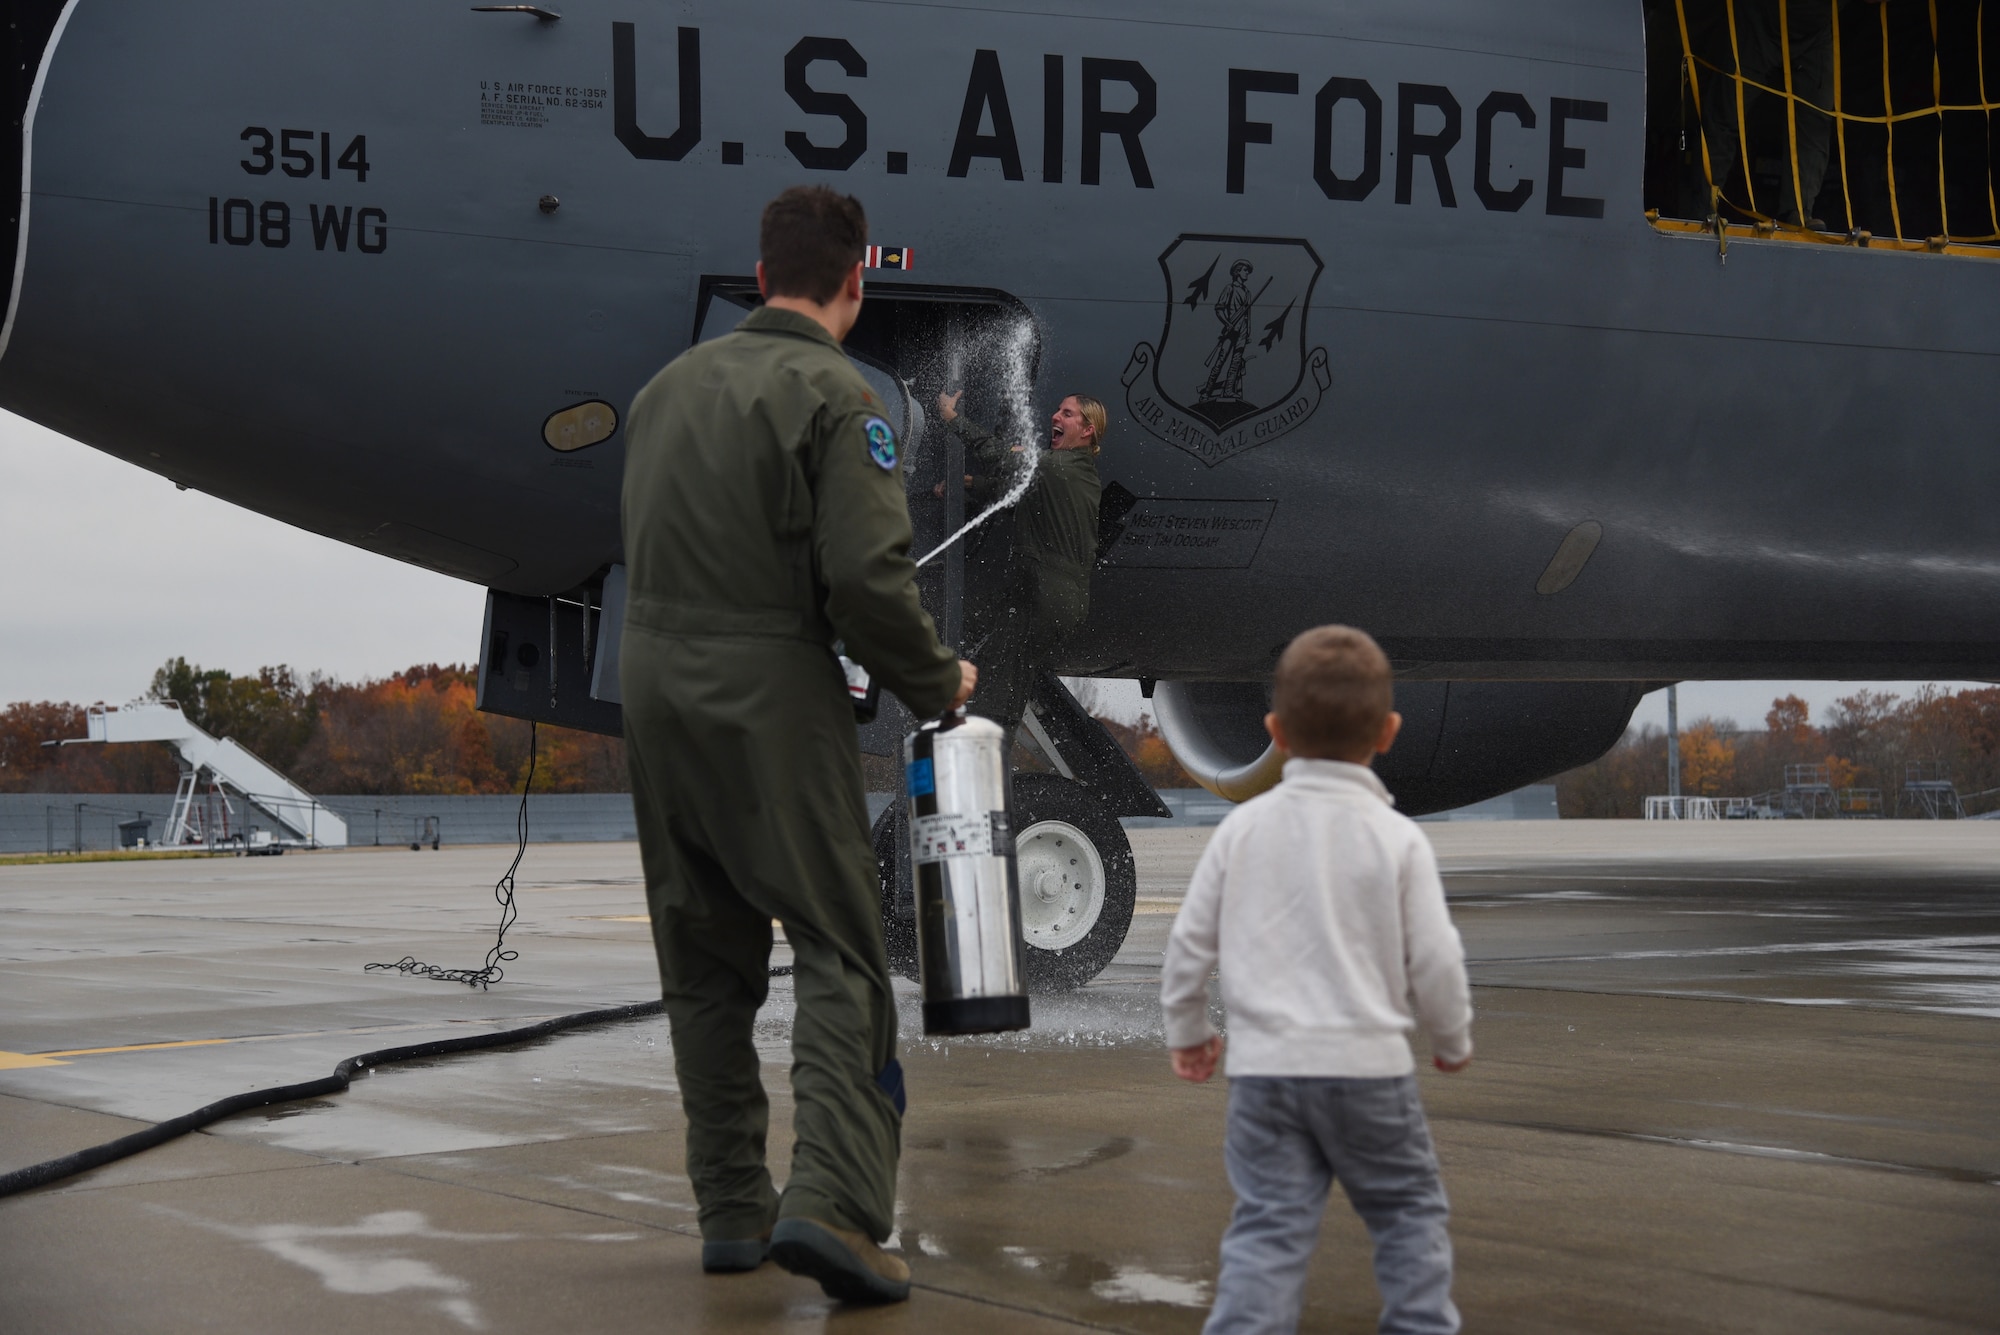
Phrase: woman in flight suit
(1043, 593)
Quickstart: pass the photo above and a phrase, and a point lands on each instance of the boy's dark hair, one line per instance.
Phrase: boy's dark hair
(1332, 691)
(811, 237)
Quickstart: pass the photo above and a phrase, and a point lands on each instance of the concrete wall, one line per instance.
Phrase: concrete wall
(44, 822)
(35, 822)
(553, 818)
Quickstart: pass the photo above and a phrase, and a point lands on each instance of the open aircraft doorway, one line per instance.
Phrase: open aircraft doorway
(1878, 116)
(912, 342)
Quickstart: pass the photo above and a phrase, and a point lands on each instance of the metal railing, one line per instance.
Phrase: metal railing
(1697, 808)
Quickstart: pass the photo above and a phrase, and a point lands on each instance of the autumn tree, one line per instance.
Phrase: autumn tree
(1869, 741)
(1974, 719)
(1789, 723)
(30, 762)
(421, 731)
(1862, 730)
(271, 714)
(1148, 751)
(415, 732)
(1617, 784)
(1708, 760)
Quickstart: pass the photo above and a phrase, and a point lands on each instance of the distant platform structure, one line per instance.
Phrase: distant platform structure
(215, 773)
(1697, 808)
(1928, 792)
(1809, 794)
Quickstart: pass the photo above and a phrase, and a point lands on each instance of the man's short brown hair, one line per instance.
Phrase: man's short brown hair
(811, 237)
(1332, 693)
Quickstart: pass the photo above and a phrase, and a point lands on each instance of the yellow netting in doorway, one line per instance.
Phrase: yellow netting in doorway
(1961, 184)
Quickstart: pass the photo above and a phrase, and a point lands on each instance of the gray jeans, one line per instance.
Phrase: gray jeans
(1289, 1138)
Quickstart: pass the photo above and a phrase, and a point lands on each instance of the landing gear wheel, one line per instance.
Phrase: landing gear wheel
(1078, 882)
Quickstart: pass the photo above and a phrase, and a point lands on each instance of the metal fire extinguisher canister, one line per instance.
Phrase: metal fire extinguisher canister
(969, 947)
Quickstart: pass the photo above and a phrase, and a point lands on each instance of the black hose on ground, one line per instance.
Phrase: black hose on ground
(69, 1165)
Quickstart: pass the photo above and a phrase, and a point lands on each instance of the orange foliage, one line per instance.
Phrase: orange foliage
(421, 732)
(1975, 716)
(414, 733)
(29, 766)
(581, 762)
(1788, 721)
(1148, 751)
(418, 731)
(1871, 741)
(1708, 761)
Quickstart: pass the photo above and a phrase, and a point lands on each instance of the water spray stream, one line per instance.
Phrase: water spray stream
(1017, 393)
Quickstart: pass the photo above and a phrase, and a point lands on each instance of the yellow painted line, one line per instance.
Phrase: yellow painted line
(24, 1060)
(141, 1047)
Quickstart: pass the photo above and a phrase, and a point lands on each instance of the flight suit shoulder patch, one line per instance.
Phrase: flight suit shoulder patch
(881, 443)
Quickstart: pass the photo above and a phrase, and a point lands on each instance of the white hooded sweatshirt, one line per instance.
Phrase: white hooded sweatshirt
(1324, 909)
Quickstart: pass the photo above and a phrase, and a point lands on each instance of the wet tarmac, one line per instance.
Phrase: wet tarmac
(1731, 1078)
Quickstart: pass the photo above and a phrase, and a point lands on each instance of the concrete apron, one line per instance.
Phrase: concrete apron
(1727, 1080)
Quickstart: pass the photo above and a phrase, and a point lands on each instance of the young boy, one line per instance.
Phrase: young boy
(1325, 910)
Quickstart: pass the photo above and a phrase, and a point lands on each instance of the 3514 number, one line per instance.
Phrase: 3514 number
(292, 152)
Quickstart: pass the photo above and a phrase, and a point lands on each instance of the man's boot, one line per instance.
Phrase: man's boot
(849, 1266)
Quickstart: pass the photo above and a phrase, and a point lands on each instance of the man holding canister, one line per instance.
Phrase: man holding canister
(764, 519)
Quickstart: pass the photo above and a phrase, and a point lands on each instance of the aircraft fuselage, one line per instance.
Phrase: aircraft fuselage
(1369, 289)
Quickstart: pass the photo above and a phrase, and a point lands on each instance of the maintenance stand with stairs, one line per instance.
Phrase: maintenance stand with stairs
(211, 769)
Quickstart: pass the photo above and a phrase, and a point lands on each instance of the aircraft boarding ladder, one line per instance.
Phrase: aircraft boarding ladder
(302, 820)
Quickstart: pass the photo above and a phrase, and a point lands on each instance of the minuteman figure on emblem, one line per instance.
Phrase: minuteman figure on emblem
(1232, 368)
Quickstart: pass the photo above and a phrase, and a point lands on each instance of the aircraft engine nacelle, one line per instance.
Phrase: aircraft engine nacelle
(1462, 741)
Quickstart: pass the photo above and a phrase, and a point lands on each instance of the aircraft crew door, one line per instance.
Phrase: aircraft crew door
(913, 342)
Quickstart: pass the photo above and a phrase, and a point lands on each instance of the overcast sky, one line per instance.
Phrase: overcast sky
(1744, 702)
(109, 571)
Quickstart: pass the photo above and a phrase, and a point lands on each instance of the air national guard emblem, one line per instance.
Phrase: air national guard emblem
(1232, 370)
(881, 443)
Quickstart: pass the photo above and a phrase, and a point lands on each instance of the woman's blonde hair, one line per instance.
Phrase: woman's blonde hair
(1093, 414)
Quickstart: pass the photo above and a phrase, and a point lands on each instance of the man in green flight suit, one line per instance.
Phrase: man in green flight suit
(1029, 606)
(764, 519)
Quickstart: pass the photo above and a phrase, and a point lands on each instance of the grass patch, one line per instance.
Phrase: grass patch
(107, 855)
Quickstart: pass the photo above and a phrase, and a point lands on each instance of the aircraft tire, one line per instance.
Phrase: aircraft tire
(1078, 881)
(1082, 917)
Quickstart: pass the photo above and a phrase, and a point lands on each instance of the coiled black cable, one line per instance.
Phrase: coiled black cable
(69, 1165)
(503, 891)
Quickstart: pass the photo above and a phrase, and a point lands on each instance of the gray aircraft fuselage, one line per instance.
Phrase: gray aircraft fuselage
(1368, 288)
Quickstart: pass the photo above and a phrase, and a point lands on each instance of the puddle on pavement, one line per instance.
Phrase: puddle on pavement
(1024, 1157)
(370, 1257)
(600, 1082)
(1786, 1153)
(1829, 941)
(1107, 1281)
(1131, 1284)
